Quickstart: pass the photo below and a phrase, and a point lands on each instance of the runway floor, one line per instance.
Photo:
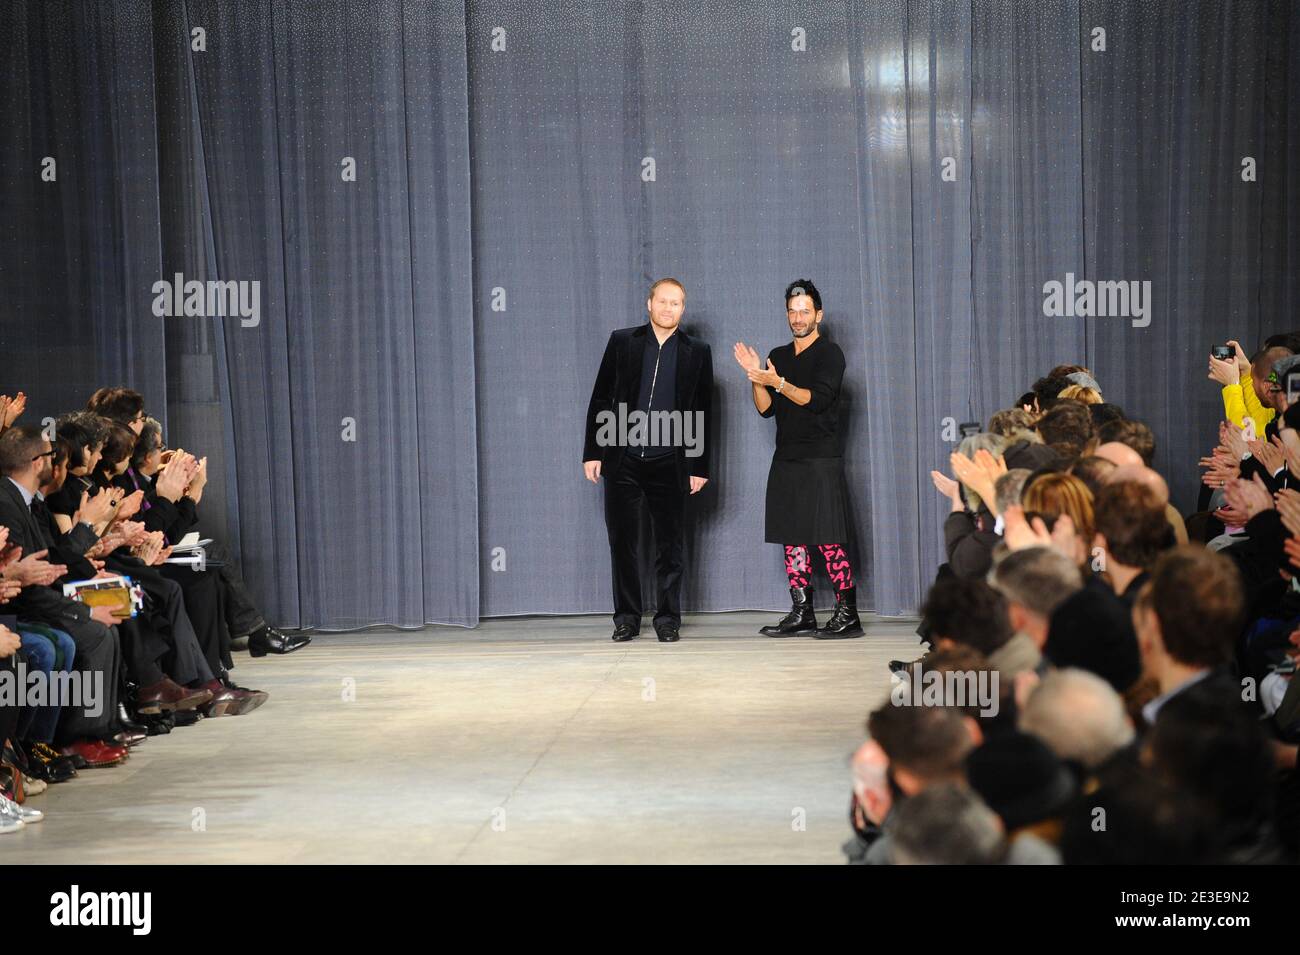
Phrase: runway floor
(528, 740)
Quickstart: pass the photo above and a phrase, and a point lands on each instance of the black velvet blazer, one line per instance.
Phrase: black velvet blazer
(619, 382)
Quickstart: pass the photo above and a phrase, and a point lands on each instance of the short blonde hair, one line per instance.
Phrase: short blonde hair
(665, 281)
(1089, 396)
(1057, 493)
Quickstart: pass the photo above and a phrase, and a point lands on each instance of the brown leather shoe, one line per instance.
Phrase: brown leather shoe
(168, 696)
(231, 700)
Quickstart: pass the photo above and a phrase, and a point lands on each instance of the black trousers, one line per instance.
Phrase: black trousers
(637, 486)
(242, 615)
(179, 654)
(10, 713)
(99, 651)
(205, 607)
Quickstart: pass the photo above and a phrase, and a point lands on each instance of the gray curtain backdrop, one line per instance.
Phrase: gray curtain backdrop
(398, 439)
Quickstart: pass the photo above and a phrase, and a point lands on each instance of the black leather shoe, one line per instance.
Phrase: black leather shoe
(623, 633)
(77, 760)
(126, 722)
(270, 640)
(159, 725)
(126, 737)
(668, 633)
(44, 762)
(907, 666)
(800, 619)
(844, 622)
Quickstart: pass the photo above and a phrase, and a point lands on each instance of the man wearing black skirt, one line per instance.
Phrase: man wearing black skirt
(807, 493)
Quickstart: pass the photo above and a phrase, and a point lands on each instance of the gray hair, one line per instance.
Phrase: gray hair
(994, 444)
(1079, 716)
(1084, 380)
(1008, 487)
(1037, 578)
(946, 824)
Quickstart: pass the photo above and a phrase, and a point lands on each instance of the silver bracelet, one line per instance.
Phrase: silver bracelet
(780, 386)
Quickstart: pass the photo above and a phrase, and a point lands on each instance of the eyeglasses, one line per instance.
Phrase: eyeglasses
(44, 454)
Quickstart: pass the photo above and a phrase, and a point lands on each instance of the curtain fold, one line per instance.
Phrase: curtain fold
(447, 207)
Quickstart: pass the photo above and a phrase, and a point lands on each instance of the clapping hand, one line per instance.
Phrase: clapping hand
(949, 489)
(746, 356)
(10, 409)
(1270, 457)
(1233, 438)
(768, 376)
(94, 510)
(148, 549)
(1020, 534)
(980, 473)
(1248, 497)
(175, 476)
(130, 505)
(34, 569)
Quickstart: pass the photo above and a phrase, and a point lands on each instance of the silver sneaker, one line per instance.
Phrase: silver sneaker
(11, 810)
(8, 825)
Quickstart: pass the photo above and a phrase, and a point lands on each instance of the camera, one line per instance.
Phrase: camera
(1222, 352)
(1292, 388)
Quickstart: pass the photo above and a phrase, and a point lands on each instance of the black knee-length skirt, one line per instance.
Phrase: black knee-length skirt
(807, 502)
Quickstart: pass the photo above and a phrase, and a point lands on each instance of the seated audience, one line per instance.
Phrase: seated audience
(947, 825)
(1155, 672)
(1079, 716)
(99, 501)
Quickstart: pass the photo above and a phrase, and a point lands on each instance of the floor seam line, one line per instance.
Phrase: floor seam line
(542, 755)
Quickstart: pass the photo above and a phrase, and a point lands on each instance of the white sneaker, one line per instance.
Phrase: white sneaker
(11, 810)
(34, 787)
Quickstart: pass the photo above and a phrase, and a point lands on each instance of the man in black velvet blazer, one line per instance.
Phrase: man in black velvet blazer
(646, 434)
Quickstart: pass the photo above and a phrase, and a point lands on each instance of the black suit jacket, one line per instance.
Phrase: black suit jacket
(68, 549)
(175, 520)
(37, 603)
(619, 382)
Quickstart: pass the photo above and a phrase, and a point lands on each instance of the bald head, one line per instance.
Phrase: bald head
(1120, 455)
(1141, 475)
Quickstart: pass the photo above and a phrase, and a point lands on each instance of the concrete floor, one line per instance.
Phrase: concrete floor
(534, 740)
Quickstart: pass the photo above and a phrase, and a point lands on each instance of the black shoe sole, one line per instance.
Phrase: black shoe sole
(842, 635)
(257, 650)
(769, 632)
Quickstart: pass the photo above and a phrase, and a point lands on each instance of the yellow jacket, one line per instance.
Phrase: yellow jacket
(1241, 402)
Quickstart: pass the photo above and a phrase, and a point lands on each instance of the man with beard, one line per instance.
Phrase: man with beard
(807, 494)
(83, 731)
(658, 373)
